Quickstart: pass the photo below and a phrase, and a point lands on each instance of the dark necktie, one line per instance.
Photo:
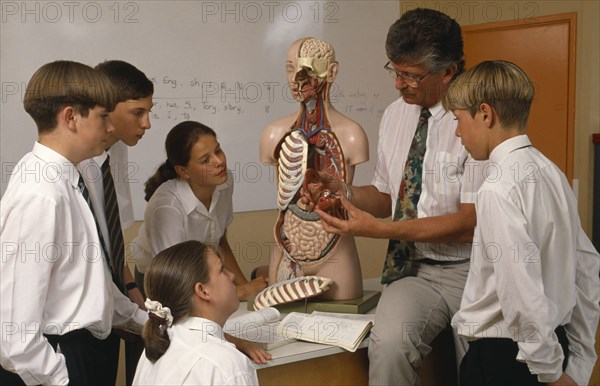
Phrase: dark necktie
(398, 262)
(115, 232)
(86, 196)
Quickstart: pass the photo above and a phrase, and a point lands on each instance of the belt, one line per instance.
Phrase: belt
(441, 262)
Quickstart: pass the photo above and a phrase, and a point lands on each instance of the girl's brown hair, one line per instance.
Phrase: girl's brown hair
(170, 279)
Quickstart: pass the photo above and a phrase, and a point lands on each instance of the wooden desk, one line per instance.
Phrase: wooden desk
(304, 363)
(331, 367)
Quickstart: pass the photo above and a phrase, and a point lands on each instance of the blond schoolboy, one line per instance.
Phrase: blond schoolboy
(530, 305)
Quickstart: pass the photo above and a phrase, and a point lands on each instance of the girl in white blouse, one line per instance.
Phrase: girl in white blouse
(190, 198)
(192, 296)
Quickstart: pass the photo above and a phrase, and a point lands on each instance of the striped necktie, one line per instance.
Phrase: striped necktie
(115, 232)
(398, 262)
(86, 196)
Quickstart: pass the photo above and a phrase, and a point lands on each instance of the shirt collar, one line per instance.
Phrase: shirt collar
(207, 326)
(189, 200)
(508, 146)
(437, 111)
(57, 165)
(100, 158)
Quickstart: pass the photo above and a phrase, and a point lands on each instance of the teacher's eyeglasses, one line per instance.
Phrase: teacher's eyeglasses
(410, 79)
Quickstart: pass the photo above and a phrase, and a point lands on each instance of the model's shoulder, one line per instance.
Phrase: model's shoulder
(343, 124)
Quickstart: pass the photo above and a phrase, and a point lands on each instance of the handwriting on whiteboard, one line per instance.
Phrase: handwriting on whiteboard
(184, 99)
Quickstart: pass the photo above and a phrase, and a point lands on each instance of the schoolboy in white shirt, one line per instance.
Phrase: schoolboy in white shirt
(130, 119)
(58, 300)
(531, 303)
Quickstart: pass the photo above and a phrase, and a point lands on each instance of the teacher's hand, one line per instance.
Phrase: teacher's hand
(359, 223)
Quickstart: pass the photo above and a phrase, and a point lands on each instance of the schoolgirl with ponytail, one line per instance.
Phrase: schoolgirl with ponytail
(190, 296)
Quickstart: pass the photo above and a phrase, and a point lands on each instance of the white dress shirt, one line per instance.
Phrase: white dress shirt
(91, 171)
(122, 172)
(53, 278)
(450, 176)
(532, 269)
(198, 355)
(174, 215)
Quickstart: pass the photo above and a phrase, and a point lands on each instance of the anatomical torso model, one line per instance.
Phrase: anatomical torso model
(316, 139)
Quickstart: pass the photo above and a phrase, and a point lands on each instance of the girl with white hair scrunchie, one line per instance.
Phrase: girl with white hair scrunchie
(190, 296)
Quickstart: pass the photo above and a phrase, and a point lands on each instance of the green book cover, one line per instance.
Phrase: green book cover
(360, 305)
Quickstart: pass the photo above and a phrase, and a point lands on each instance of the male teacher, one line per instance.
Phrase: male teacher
(425, 178)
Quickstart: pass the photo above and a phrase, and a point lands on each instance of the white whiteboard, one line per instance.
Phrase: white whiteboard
(217, 62)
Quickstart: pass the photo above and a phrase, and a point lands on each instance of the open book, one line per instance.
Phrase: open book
(259, 327)
(343, 330)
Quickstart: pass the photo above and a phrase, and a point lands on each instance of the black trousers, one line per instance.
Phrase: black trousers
(90, 361)
(492, 362)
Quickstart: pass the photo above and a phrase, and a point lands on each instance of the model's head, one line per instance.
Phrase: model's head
(425, 52)
(310, 67)
(131, 116)
(177, 278)
(193, 154)
(502, 85)
(65, 83)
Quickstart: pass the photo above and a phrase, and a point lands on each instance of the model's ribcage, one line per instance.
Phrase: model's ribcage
(291, 290)
(293, 158)
(301, 233)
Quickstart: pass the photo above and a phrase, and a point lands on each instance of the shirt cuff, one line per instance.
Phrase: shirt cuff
(59, 377)
(549, 377)
(140, 317)
(579, 369)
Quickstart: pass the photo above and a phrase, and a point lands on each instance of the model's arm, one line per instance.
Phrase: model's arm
(31, 224)
(581, 330)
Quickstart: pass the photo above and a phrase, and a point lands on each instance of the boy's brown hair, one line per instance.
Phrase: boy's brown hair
(65, 83)
(128, 81)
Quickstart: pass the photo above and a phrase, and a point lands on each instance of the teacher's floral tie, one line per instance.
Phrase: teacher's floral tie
(399, 259)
